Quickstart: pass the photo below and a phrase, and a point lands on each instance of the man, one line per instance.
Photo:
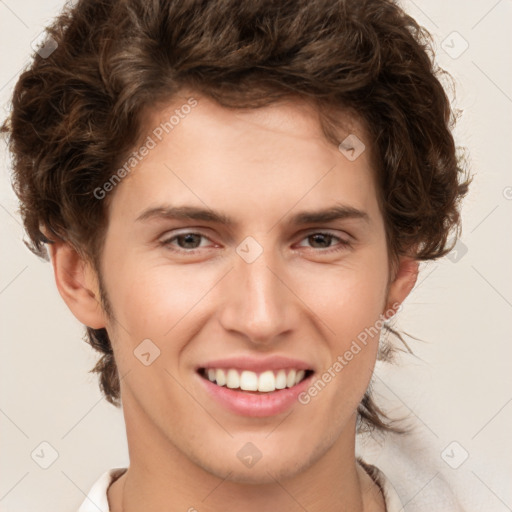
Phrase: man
(235, 197)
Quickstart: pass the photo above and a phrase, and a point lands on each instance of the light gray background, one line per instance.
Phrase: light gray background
(458, 389)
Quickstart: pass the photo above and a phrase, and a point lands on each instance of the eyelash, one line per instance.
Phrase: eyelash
(342, 244)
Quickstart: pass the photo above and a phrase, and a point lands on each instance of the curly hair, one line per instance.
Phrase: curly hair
(77, 112)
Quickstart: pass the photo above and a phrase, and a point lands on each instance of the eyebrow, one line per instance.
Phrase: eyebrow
(333, 213)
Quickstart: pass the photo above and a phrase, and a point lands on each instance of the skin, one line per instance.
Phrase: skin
(259, 167)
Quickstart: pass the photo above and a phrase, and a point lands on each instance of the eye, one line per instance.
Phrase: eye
(322, 241)
(186, 242)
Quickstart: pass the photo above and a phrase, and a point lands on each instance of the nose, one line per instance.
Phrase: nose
(258, 303)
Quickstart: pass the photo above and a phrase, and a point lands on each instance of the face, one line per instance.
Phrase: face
(244, 250)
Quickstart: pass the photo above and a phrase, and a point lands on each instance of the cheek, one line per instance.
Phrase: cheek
(339, 386)
(160, 304)
(349, 302)
(347, 297)
(150, 300)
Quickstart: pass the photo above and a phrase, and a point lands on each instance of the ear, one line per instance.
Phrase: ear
(403, 281)
(77, 284)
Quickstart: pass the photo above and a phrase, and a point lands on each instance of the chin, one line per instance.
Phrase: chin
(257, 476)
(278, 467)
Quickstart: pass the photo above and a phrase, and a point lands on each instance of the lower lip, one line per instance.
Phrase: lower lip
(252, 404)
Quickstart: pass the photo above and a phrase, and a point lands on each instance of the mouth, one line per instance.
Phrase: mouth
(255, 387)
(264, 382)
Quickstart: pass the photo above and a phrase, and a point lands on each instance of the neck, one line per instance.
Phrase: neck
(161, 477)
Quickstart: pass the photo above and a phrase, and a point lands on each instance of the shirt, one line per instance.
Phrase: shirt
(96, 499)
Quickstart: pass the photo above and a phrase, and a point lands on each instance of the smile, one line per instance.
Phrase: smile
(263, 382)
(260, 393)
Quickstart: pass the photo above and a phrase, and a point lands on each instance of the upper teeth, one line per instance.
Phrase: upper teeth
(251, 381)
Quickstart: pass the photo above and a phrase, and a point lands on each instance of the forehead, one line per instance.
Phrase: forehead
(291, 117)
(204, 154)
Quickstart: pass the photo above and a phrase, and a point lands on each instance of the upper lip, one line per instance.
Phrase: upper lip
(258, 364)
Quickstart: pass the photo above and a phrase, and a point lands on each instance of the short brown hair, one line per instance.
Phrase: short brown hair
(78, 112)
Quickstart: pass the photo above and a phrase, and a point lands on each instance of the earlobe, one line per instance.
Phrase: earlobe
(406, 275)
(77, 284)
